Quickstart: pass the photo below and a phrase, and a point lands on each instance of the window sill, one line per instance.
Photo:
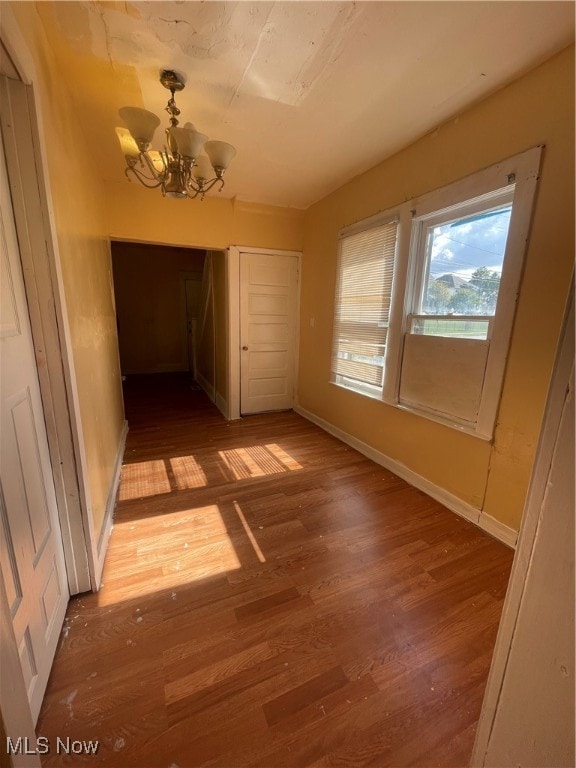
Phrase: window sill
(438, 418)
(363, 393)
(446, 421)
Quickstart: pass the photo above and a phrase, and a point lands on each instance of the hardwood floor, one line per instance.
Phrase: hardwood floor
(273, 598)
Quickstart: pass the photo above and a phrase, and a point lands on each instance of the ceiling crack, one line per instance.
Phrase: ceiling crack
(175, 21)
(107, 36)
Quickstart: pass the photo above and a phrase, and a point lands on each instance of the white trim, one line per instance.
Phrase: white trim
(50, 323)
(396, 330)
(297, 329)
(475, 185)
(233, 349)
(446, 421)
(266, 251)
(449, 500)
(214, 396)
(108, 522)
(526, 168)
(498, 530)
(562, 380)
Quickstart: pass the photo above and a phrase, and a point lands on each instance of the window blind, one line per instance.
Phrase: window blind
(362, 307)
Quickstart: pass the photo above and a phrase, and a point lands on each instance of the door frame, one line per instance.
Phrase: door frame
(233, 259)
(24, 145)
(561, 383)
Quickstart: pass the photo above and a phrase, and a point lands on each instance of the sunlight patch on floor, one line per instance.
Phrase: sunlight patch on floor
(166, 552)
(144, 478)
(187, 473)
(258, 461)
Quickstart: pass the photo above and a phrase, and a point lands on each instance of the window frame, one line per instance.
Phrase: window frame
(478, 189)
(521, 171)
(485, 203)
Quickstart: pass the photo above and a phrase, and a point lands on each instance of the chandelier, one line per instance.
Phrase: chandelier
(180, 170)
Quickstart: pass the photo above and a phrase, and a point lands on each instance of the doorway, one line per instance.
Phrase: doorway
(157, 290)
(171, 311)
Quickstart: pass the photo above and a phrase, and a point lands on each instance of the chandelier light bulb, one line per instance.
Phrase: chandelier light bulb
(188, 141)
(220, 153)
(141, 123)
(127, 142)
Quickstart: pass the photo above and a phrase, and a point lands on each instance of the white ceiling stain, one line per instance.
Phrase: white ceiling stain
(311, 93)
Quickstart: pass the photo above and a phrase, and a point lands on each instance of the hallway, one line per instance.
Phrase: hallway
(273, 598)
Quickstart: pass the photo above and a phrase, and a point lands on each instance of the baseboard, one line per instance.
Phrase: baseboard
(106, 529)
(495, 528)
(207, 386)
(222, 405)
(449, 500)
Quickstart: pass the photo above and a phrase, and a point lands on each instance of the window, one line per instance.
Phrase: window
(464, 264)
(461, 257)
(362, 307)
(426, 296)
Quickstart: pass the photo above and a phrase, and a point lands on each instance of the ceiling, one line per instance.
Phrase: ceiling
(310, 93)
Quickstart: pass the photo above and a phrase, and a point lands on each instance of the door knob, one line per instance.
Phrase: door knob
(245, 349)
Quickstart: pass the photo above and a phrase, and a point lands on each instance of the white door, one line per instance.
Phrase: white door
(268, 314)
(31, 552)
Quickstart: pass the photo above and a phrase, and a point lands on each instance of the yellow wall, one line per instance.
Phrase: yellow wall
(83, 252)
(150, 305)
(136, 213)
(537, 109)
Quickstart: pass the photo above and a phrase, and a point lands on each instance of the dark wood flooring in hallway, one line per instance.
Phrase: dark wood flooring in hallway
(273, 598)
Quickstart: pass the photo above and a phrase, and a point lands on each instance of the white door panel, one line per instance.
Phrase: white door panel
(268, 307)
(268, 304)
(31, 554)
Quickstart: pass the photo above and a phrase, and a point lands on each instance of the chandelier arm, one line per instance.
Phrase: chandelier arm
(196, 192)
(142, 175)
(143, 179)
(159, 176)
(206, 186)
(210, 184)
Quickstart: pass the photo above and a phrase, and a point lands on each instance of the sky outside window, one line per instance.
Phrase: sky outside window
(465, 264)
